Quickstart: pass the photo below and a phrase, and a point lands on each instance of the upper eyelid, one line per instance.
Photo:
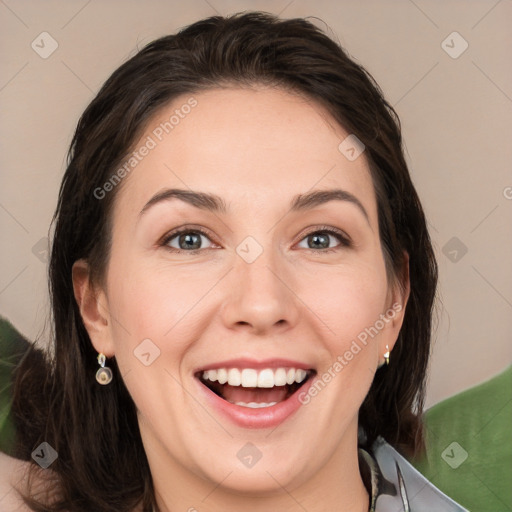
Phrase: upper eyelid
(323, 229)
(184, 229)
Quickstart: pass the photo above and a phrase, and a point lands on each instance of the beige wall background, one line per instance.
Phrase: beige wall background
(455, 104)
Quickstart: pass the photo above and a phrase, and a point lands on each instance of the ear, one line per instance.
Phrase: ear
(395, 312)
(92, 304)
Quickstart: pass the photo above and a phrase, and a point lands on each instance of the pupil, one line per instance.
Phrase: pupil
(191, 241)
(320, 241)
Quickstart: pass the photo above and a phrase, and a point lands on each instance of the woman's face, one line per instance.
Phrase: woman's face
(259, 285)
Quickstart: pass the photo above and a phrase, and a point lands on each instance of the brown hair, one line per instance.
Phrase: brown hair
(102, 464)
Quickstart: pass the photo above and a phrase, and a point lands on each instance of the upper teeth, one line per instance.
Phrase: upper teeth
(250, 378)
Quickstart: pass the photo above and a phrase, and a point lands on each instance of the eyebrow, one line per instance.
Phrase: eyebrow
(215, 203)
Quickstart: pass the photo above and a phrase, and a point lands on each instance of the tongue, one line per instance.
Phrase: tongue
(240, 394)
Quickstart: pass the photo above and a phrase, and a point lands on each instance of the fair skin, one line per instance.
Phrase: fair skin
(256, 149)
(14, 483)
(12, 473)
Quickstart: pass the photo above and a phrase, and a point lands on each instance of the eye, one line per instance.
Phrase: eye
(192, 240)
(321, 239)
(189, 240)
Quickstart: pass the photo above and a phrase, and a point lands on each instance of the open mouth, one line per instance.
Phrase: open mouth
(253, 388)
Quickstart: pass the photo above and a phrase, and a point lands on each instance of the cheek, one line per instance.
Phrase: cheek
(349, 300)
(350, 303)
(152, 329)
(153, 301)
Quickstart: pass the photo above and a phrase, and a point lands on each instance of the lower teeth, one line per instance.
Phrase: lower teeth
(255, 405)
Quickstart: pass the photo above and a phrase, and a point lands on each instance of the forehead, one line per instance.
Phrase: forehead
(249, 146)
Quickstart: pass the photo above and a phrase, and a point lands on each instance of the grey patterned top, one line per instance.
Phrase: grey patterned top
(396, 486)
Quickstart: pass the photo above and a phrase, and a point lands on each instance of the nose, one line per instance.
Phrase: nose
(260, 296)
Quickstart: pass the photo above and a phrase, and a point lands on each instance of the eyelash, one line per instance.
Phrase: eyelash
(339, 235)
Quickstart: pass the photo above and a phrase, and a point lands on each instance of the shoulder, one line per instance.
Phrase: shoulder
(13, 474)
(14, 480)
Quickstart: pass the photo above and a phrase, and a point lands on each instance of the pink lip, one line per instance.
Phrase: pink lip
(253, 363)
(266, 417)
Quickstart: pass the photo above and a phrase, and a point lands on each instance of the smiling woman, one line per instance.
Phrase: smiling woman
(269, 247)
